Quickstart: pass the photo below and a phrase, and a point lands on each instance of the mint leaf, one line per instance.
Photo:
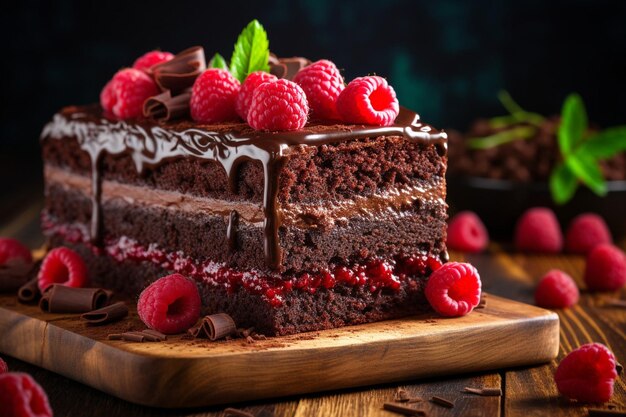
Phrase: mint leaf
(606, 143)
(586, 168)
(573, 124)
(517, 113)
(505, 136)
(251, 52)
(563, 184)
(218, 62)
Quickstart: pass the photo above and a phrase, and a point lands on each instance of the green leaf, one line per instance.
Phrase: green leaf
(563, 184)
(218, 61)
(573, 124)
(505, 136)
(605, 144)
(517, 114)
(251, 52)
(586, 168)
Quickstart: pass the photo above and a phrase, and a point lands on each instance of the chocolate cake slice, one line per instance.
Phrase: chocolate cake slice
(330, 225)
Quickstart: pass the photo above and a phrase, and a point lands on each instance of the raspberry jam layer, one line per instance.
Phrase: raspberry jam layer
(374, 274)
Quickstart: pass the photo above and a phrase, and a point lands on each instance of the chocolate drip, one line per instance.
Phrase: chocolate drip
(96, 196)
(231, 230)
(152, 144)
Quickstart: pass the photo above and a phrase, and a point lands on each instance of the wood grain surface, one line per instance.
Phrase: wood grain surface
(191, 373)
(528, 391)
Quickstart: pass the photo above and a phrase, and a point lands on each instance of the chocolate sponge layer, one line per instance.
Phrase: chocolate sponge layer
(302, 311)
(310, 174)
(202, 236)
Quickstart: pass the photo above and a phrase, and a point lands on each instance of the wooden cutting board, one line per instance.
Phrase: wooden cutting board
(190, 373)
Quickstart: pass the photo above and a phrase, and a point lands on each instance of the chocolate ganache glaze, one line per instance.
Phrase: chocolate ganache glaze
(151, 143)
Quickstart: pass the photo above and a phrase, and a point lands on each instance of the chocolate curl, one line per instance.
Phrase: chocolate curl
(165, 107)
(29, 292)
(214, 327)
(63, 299)
(13, 274)
(175, 78)
(287, 68)
(108, 314)
(179, 73)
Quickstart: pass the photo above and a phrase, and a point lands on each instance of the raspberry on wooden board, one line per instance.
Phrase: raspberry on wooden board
(454, 289)
(22, 396)
(467, 233)
(556, 290)
(538, 230)
(62, 266)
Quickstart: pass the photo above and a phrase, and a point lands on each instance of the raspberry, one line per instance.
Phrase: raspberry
(556, 290)
(585, 232)
(170, 304)
(587, 374)
(11, 249)
(538, 230)
(124, 95)
(368, 100)
(152, 58)
(21, 396)
(454, 289)
(213, 96)
(244, 98)
(62, 266)
(467, 233)
(281, 105)
(3, 366)
(606, 268)
(322, 83)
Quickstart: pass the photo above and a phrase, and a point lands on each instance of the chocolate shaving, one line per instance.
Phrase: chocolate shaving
(63, 299)
(401, 395)
(175, 79)
(486, 392)
(214, 327)
(403, 409)
(13, 274)
(108, 314)
(235, 412)
(155, 333)
(29, 292)
(442, 402)
(142, 336)
(287, 67)
(615, 302)
(598, 412)
(166, 107)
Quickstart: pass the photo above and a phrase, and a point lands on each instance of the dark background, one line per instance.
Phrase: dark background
(446, 59)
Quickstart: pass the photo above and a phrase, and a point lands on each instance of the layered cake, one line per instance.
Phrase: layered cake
(327, 225)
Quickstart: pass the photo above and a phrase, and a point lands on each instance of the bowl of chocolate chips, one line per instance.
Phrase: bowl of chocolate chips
(504, 165)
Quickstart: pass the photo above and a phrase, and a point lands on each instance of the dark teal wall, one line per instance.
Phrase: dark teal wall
(446, 59)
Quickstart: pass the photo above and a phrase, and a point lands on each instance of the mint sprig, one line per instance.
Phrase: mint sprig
(581, 152)
(218, 61)
(251, 52)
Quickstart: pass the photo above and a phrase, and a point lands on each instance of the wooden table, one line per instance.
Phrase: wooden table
(527, 391)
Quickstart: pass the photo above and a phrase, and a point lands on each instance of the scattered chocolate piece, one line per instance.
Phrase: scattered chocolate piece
(235, 412)
(214, 327)
(401, 395)
(28, 292)
(134, 337)
(13, 274)
(486, 392)
(615, 302)
(245, 332)
(257, 336)
(442, 402)
(219, 325)
(249, 340)
(63, 299)
(108, 314)
(287, 67)
(597, 412)
(155, 334)
(403, 409)
(143, 336)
